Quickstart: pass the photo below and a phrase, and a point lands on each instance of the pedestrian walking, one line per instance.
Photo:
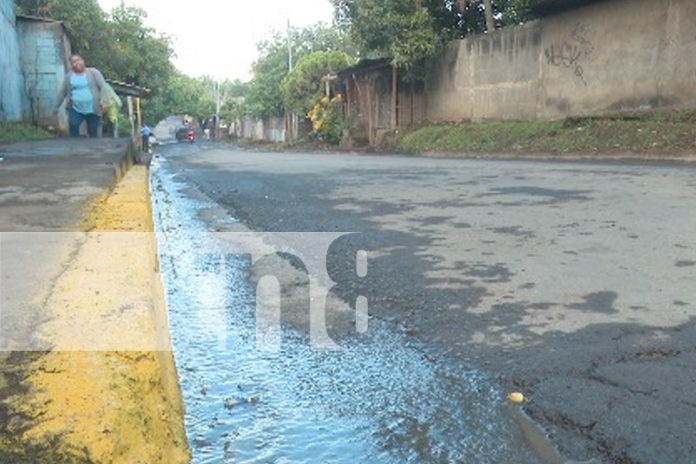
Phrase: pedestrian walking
(86, 92)
(146, 133)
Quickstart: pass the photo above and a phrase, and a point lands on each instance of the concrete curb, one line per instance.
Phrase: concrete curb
(121, 168)
(686, 158)
(683, 158)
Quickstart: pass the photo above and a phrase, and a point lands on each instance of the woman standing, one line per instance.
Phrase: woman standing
(87, 95)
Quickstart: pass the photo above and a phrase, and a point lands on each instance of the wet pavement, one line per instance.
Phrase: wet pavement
(380, 399)
(572, 282)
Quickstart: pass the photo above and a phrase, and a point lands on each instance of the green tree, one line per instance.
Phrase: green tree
(236, 88)
(477, 16)
(404, 31)
(411, 31)
(122, 47)
(181, 95)
(140, 55)
(234, 106)
(303, 86)
(264, 97)
(88, 24)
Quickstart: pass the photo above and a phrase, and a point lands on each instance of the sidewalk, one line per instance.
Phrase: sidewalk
(75, 401)
(47, 186)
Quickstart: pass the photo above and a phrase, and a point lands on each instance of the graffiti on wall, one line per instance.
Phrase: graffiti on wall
(572, 53)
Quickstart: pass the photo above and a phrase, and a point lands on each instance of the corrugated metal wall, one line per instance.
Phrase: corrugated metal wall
(267, 130)
(43, 56)
(11, 80)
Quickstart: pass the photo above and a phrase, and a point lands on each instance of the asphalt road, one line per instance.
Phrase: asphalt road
(571, 282)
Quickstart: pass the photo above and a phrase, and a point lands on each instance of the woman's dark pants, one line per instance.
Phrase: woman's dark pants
(75, 120)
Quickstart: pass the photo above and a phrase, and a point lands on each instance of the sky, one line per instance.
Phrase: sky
(219, 37)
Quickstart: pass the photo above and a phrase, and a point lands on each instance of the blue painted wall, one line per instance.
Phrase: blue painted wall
(11, 80)
(43, 51)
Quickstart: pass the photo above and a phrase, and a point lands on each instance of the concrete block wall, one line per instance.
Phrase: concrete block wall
(11, 80)
(267, 130)
(44, 54)
(274, 130)
(610, 57)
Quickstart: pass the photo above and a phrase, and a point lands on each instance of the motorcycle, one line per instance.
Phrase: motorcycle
(186, 134)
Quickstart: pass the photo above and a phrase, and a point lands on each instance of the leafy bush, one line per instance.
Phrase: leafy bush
(325, 122)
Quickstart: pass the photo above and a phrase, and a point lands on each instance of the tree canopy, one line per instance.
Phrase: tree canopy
(89, 26)
(182, 95)
(120, 45)
(406, 31)
(264, 97)
(402, 30)
(304, 86)
(140, 55)
(411, 31)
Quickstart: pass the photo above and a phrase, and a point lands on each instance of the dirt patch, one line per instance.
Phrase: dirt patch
(108, 391)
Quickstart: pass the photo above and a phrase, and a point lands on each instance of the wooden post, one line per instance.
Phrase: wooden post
(395, 98)
(131, 117)
(413, 102)
(140, 122)
(373, 109)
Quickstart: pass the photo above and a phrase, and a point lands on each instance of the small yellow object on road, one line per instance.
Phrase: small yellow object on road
(516, 398)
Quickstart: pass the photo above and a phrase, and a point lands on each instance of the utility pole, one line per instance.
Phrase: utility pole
(292, 124)
(289, 39)
(218, 106)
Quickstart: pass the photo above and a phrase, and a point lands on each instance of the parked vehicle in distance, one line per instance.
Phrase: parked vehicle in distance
(185, 134)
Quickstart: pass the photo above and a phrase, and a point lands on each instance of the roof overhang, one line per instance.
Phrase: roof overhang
(40, 19)
(129, 90)
(366, 65)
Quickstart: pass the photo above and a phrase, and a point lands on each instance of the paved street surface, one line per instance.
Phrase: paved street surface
(570, 282)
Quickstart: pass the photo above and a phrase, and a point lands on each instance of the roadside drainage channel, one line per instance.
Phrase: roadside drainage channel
(380, 400)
